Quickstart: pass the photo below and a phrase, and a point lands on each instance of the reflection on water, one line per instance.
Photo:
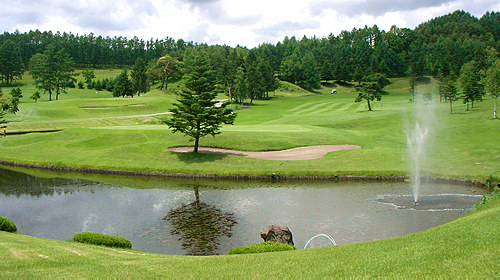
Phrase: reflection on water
(200, 225)
(211, 217)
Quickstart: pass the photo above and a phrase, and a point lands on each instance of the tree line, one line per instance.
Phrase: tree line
(445, 47)
(439, 46)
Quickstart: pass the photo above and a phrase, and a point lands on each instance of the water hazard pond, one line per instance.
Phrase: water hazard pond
(211, 217)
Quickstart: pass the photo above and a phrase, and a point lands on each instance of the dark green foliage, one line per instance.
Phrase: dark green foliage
(88, 76)
(98, 85)
(439, 46)
(16, 93)
(263, 247)
(102, 239)
(123, 85)
(110, 85)
(199, 226)
(7, 105)
(35, 95)
(450, 92)
(378, 78)
(7, 225)
(196, 115)
(368, 91)
(81, 85)
(52, 70)
(11, 64)
(491, 83)
(472, 89)
(139, 77)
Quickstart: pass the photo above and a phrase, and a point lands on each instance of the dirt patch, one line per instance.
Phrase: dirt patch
(302, 153)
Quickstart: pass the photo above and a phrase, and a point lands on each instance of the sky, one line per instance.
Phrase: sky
(229, 22)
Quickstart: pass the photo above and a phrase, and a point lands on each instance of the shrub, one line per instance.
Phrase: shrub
(7, 225)
(102, 239)
(261, 248)
(488, 198)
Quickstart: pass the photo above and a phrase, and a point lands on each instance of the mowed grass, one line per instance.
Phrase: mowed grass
(84, 107)
(467, 247)
(115, 135)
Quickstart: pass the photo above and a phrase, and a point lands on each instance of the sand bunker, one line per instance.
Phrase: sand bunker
(302, 153)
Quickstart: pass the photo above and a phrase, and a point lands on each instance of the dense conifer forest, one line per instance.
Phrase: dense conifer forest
(439, 47)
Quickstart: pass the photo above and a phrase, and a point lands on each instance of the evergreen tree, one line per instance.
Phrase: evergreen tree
(35, 95)
(254, 78)
(52, 70)
(368, 91)
(472, 89)
(450, 92)
(123, 86)
(492, 83)
(196, 115)
(311, 78)
(11, 64)
(139, 77)
(88, 76)
(16, 93)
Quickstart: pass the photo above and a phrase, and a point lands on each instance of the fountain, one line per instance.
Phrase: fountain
(415, 140)
(418, 140)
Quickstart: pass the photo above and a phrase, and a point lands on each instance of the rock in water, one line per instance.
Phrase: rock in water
(276, 233)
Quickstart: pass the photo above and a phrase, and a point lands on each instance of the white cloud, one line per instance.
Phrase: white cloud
(246, 23)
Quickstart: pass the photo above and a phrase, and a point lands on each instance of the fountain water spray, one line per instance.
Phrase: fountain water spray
(415, 140)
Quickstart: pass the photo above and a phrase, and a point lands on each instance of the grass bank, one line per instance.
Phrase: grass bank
(467, 247)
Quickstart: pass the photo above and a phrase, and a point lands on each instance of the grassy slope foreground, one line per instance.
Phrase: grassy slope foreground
(467, 247)
(115, 133)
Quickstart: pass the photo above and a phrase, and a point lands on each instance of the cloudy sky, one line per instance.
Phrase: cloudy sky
(231, 22)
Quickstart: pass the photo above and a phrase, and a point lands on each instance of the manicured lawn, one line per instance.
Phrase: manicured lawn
(467, 247)
(100, 131)
(112, 133)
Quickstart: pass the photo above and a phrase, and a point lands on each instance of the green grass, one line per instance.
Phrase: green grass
(462, 145)
(263, 247)
(102, 239)
(467, 247)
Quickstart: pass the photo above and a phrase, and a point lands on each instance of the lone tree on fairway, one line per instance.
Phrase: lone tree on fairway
(371, 88)
(196, 115)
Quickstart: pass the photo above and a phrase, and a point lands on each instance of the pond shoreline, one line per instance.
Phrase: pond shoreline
(272, 176)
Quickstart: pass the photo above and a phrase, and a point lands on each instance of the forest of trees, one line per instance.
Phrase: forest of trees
(439, 47)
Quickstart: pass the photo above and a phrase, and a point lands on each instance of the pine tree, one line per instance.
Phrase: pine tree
(123, 86)
(196, 115)
(139, 77)
(11, 64)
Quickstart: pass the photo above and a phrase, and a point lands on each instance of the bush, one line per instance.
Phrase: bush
(488, 198)
(7, 225)
(261, 248)
(102, 239)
